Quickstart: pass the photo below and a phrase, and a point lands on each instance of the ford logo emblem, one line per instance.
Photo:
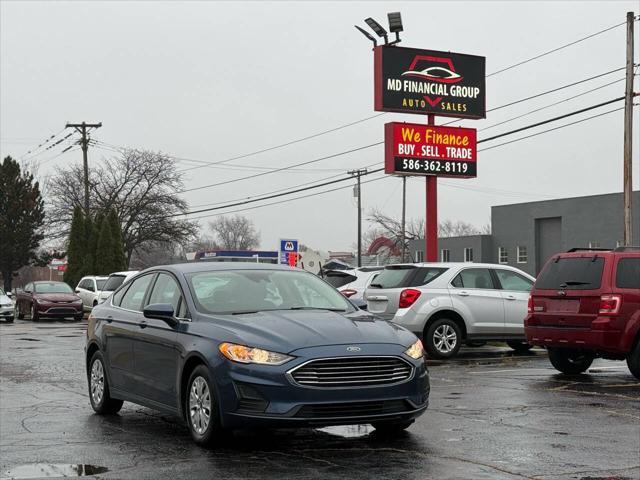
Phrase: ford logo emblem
(353, 349)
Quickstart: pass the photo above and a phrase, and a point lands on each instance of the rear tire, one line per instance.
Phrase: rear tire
(571, 362)
(202, 411)
(391, 428)
(99, 394)
(78, 318)
(442, 339)
(519, 346)
(633, 361)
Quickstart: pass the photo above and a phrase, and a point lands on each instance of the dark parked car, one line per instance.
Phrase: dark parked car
(586, 304)
(48, 300)
(237, 345)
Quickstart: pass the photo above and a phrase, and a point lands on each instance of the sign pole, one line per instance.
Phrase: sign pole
(431, 214)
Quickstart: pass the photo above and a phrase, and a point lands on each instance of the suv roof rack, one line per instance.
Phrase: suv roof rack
(630, 248)
(588, 249)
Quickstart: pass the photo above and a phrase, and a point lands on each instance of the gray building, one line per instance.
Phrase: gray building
(525, 235)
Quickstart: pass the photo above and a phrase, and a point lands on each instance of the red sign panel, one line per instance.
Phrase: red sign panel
(419, 149)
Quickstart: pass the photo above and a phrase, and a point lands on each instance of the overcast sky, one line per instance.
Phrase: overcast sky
(213, 80)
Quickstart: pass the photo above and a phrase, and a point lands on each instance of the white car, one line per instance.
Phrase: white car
(447, 304)
(353, 282)
(113, 282)
(6, 307)
(88, 289)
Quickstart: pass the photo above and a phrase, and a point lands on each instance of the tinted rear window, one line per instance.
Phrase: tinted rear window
(113, 282)
(339, 279)
(572, 273)
(628, 274)
(401, 277)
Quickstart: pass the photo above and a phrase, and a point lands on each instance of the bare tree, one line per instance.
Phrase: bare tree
(235, 233)
(449, 228)
(141, 186)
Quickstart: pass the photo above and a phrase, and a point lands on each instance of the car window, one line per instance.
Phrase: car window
(339, 279)
(28, 288)
(82, 284)
(426, 275)
(628, 274)
(52, 287)
(571, 273)
(394, 277)
(166, 290)
(238, 291)
(513, 281)
(113, 282)
(474, 278)
(132, 299)
(100, 283)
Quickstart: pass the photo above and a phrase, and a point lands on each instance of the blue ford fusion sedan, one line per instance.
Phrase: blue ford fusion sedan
(242, 345)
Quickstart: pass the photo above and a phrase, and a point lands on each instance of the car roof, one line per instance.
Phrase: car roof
(196, 267)
(48, 281)
(453, 264)
(127, 272)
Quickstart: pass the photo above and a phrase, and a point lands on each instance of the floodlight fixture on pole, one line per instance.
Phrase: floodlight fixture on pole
(368, 35)
(377, 29)
(395, 25)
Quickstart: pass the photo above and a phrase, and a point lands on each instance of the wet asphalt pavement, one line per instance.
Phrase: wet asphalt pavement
(493, 415)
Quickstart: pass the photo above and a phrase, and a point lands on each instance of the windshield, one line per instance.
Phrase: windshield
(113, 282)
(100, 283)
(2, 292)
(52, 287)
(246, 291)
(571, 273)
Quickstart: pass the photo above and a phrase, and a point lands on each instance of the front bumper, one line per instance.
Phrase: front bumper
(265, 396)
(60, 310)
(6, 312)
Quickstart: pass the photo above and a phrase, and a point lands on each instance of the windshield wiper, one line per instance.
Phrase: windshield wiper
(316, 308)
(375, 285)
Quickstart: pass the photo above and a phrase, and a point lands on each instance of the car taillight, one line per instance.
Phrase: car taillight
(408, 297)
(347, 292)
(530, 304)
(610, 304)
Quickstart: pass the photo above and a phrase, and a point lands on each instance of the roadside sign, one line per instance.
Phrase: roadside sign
(418, 149)
(411, 80)
(288, 246)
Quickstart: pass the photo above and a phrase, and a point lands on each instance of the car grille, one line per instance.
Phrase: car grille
(62, 311)
(352, 372)
(357, 409)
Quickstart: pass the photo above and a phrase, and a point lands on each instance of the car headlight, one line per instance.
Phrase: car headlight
(415, 351)
(244, 354)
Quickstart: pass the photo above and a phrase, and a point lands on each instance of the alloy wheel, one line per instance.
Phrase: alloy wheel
(97, 382)
(445, 338)
(199, 405)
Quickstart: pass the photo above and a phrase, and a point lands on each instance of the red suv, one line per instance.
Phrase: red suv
(586, 304)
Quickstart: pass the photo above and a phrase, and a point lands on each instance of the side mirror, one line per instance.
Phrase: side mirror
(9, 294)
(161, 311)
(77, 290)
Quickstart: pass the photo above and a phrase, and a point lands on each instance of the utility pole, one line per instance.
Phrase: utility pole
(82, 129)
(404, 218)
(358, 174)
(628, 128)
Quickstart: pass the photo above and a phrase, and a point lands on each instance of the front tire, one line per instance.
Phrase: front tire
(571, 362)
(34, 313)
(519, 346)
(443, 339)
(391, 428)
(99, 394)
(633, 361)
(19, 315)
(9, 319)
(201, 408)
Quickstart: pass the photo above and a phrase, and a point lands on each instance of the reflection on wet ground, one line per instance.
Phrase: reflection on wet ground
(48, 470)
(494, 414)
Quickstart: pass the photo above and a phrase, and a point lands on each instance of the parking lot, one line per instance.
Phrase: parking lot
(493, 414)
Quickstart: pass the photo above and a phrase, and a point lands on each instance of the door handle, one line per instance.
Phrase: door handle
(510, 297)
(109, 319)
(463, 294)
(377, 297)
(143, 324)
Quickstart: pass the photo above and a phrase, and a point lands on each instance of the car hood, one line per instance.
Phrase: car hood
(56, 297)
(285, 331)
(4, 300)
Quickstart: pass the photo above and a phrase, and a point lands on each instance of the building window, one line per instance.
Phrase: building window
(503, 257)
(594, 244)
(468, 254)
(445, 255)
(522, 254)
(419, 256)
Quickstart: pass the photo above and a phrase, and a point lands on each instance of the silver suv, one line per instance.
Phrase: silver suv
(449, 303)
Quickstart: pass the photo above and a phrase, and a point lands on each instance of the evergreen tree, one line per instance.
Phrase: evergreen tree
(21, 219)
(88, 262)
(93, 244)
(105, 259)
(120, 259)
(75, 249)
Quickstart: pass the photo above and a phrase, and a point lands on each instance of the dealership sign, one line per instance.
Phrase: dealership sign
(410, 80)
(418, 149)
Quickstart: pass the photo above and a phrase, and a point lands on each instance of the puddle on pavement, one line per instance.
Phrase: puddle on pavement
(348, 431)
(39, 470)
(30, 339)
